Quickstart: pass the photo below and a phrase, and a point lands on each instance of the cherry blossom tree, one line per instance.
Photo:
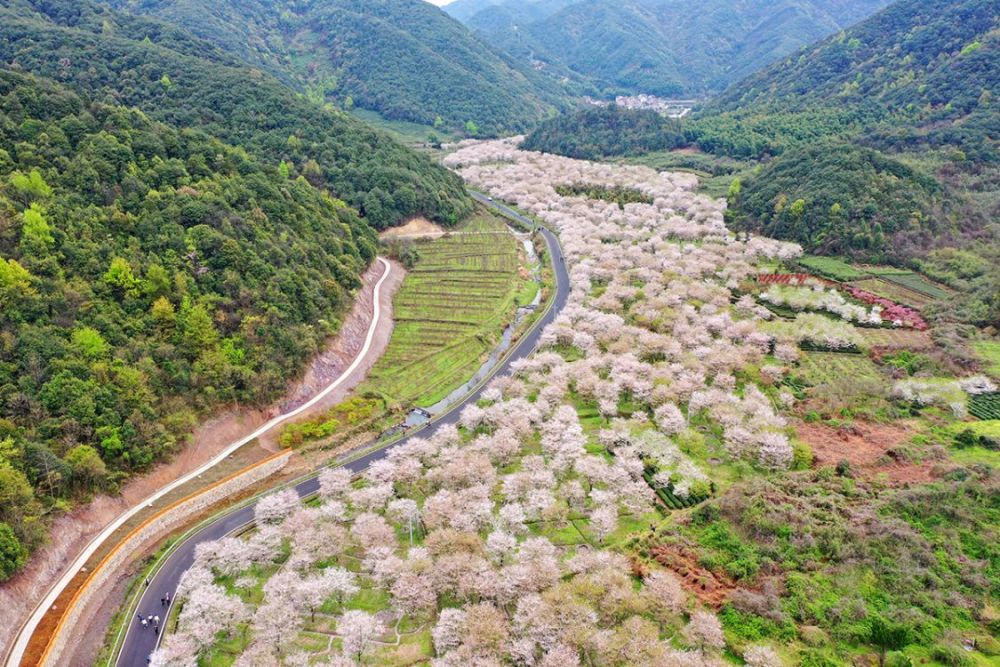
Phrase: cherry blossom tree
(704, 632)
(277, 506)
(761, 656)
(359, 631)
(664, 590)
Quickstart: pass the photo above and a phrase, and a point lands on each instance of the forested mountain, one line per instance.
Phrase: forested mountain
(662, 47)
(915, 85)
(137, 61)
(600, 132)
(147, 274)
(405, 59)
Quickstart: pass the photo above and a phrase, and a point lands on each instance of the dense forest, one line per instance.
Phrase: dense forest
(659, 47)
(148, 274)
(879, 143)
(403, 58)
(176, 78)
(605, 131)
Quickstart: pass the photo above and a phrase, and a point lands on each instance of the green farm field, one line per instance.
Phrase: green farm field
(917, 283)
(818, 368)
(451, 311)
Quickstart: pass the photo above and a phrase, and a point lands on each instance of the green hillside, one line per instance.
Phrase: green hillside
(919, 74)
(148, 274)
(187, 82)
(904, 108)
(405, 59)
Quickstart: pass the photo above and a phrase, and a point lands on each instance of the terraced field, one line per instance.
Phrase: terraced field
(888, 288)
(917, 283)
(450, 312)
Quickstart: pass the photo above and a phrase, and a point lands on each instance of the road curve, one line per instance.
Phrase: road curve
(24, 636)
(139, 642)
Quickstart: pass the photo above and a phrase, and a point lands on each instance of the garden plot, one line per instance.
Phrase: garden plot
(917, 283)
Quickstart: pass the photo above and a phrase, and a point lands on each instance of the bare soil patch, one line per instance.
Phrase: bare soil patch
(871, 449)
(71, 532)
(415, 228)
(711, 589)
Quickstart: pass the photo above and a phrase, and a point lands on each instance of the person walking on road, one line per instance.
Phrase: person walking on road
(144, 623)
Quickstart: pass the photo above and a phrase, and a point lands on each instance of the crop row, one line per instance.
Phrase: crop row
(985, 406)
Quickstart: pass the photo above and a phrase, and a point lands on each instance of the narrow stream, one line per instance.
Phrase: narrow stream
(420, 416)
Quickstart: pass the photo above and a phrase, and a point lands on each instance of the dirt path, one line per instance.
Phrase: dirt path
(71, 532)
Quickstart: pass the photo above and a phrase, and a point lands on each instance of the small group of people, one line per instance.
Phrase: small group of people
(152, 621)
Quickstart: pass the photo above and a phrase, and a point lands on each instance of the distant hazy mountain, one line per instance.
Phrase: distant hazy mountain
(664, 47)
(405, 59)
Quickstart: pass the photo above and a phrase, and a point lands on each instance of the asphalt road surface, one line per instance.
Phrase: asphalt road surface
(141, 642)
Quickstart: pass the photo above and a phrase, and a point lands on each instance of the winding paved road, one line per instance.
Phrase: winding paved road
(140, 642)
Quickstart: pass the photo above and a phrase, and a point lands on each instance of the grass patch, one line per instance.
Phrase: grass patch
(909, 339)
(412, 134)
(818, 368)
(917, 283)
(832, 268)
(988, 352)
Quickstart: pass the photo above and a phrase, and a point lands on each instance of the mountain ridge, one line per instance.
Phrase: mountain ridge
(662, 47)
(404, 59)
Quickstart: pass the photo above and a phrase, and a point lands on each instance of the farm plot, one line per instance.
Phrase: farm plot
(833, 268)
(450, 312)
(917, 283)
(818, 368)
(985, 406)
(897, 339)
(883, 287)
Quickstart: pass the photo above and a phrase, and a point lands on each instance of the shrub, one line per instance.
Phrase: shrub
(951, 655)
